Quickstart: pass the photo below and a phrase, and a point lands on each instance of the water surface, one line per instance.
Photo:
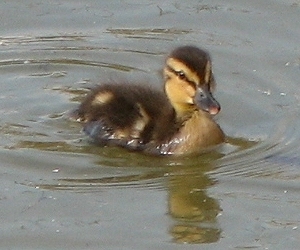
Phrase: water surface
(60, 191)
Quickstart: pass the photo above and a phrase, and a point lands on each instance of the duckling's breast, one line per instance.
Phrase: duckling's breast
(197, 133)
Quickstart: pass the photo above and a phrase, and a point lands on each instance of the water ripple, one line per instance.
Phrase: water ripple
(272, 157)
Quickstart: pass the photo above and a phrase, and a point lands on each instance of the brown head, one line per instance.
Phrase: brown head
(190, 81)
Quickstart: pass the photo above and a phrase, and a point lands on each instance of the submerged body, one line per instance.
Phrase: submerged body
(141, 118)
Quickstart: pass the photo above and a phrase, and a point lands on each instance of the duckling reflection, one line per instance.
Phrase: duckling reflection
(141, 118)
(194, 212)
(191, 212)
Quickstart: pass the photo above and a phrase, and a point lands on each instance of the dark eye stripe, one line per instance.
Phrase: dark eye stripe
(182, 76)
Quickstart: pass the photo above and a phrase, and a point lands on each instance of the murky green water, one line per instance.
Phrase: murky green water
(58, 191)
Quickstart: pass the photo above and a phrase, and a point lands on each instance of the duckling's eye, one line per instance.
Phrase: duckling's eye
(181, 75)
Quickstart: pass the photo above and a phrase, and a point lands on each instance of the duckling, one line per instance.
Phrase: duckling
(175, 121)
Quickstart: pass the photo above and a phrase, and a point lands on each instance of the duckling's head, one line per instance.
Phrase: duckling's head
(189, 81)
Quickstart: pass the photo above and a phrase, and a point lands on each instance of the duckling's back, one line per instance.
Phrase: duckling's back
(131, 116)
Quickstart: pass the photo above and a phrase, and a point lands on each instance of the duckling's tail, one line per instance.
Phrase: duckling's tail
(98, 132)
(103, 135)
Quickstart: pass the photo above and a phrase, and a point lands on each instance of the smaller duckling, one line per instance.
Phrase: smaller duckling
(141, 118)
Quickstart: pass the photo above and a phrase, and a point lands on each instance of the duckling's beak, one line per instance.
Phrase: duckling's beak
(205, 101)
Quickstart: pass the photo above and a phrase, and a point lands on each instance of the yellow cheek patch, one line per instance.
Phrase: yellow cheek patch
(102, 98)
(190, 93)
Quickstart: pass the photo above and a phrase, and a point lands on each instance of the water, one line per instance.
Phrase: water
(60, 191)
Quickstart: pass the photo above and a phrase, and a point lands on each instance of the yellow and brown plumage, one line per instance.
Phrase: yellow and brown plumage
(175, 121)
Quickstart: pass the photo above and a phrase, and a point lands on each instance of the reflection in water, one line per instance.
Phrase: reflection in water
(185, 179)
(194, 234)
(194, 211)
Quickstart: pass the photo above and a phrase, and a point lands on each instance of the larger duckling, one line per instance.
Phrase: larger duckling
(175, 121)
